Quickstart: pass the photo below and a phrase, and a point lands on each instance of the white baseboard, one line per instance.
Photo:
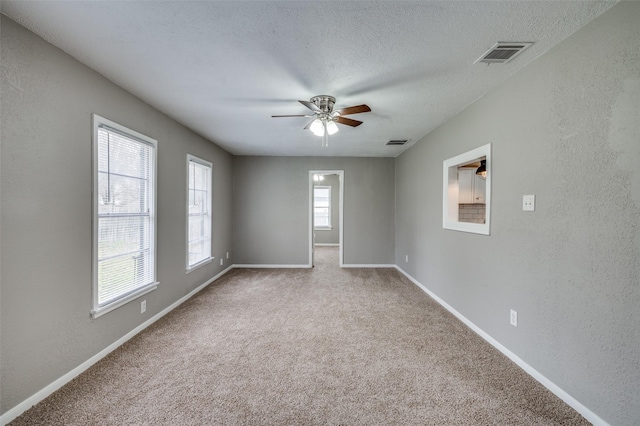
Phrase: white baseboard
(266, 266)
(368, 265)
(57, 384)
(556, 390)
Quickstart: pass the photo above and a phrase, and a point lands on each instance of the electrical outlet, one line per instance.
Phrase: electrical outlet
(528, 203)
(514, 318)
(406, 258)
(227, 255)
(143, 306)
(221, 261)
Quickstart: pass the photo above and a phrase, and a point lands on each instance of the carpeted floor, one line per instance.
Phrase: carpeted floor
(304, 347)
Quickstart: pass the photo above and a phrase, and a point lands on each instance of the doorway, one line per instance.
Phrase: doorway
(320, 211)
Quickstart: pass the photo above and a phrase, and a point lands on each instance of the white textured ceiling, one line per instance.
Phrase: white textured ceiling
(223, 68)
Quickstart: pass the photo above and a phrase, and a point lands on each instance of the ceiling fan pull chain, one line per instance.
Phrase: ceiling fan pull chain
(325, 136)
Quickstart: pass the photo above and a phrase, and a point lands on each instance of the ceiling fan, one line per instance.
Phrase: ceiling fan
(325, 118)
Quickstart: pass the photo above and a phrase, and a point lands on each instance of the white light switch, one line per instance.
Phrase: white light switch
(528, 203)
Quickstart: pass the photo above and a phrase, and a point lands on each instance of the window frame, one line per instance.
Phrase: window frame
(126, 297)
(329, 226)
(204, 261)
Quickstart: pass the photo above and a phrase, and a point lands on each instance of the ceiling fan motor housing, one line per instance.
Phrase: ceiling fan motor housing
(324, 102)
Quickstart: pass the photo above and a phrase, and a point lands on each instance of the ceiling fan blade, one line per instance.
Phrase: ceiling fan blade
(313, 107)
(354, 109)
(300, 115)
(348, 121)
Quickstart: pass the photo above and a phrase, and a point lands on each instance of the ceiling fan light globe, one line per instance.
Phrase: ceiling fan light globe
(317, 128)
(332, 127)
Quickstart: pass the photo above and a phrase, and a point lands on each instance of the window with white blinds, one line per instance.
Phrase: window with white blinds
(322, 207)
(198, 212)
(124, 216)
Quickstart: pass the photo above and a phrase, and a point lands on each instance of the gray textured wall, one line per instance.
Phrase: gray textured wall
(271, 209)
(566, 129)
(46, 178)
(331, 236)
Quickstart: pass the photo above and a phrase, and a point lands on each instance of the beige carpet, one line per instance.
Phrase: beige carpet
(304, 347)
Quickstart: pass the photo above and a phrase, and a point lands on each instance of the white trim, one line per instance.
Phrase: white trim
(311, 217)
(97, 122)
(205, 163)
(267, 266)
(340, 174)
(450, 191)
(199, 264)
(367, 265)
(341, 219)
(326, 244)
(555, 389)
(58, 383)
(98, 312)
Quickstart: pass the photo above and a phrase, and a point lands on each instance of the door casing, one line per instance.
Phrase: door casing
(340, 174)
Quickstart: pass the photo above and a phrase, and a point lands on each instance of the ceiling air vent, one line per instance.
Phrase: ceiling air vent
(502, 52)
(398, 142)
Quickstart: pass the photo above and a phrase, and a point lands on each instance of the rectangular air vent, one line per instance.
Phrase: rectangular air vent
(397, 142)
(503, 52)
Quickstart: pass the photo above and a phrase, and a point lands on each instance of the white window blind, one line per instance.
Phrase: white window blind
(198, 211)
(124, 229)
(322, 206)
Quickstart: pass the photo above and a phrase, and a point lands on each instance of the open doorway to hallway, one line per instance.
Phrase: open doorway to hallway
(326, 195)
(326, 256)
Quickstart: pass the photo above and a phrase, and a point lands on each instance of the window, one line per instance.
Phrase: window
(124, 265)
(198, 212)
(322, 207)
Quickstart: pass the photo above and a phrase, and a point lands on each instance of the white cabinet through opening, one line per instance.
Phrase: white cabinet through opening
(471, 187)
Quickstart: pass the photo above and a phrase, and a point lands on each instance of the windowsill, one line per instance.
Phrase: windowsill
(98, 312)
(323, 228)
(199, 264)
(473, 228)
